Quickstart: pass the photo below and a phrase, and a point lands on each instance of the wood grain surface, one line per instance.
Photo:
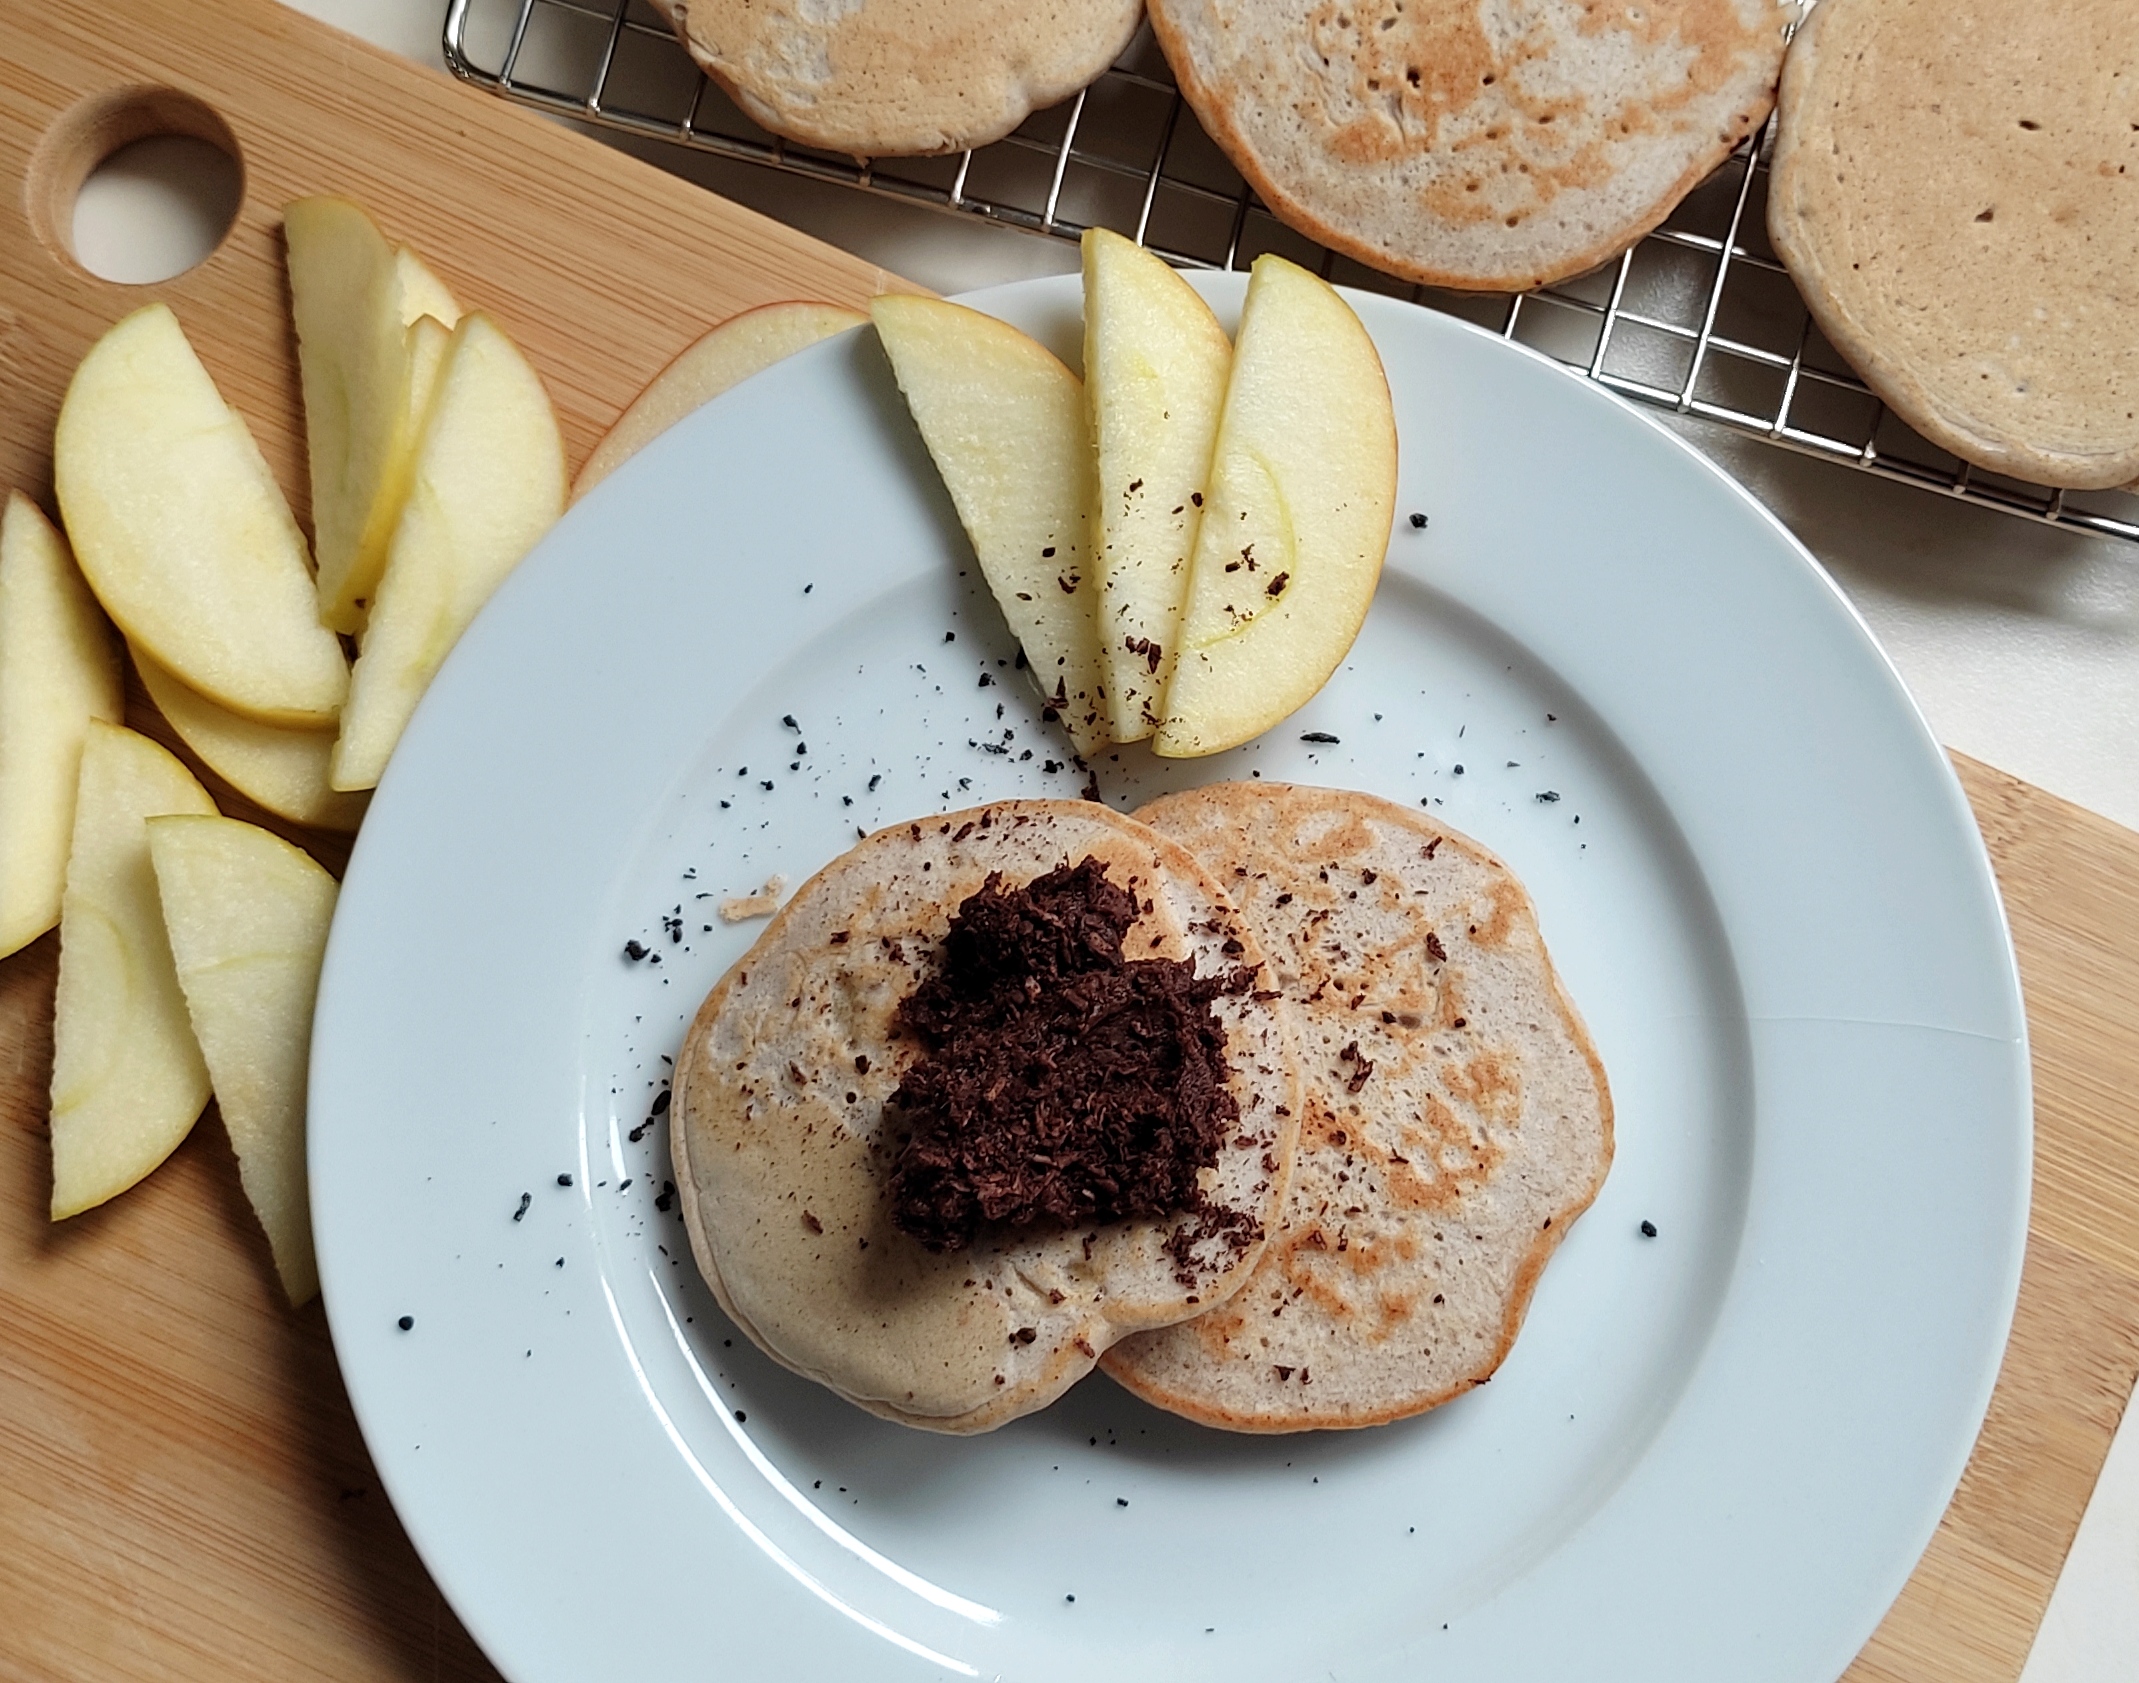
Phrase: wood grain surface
(183, 1491)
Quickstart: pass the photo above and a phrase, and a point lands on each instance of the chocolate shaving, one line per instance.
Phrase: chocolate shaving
(1060, 1083)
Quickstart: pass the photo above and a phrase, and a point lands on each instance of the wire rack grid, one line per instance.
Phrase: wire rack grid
(1698, 318)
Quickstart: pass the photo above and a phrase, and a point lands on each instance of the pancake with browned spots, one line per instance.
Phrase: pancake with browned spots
(1501, 144)
(878, 77)
(1455, 1119)
(783, 1148)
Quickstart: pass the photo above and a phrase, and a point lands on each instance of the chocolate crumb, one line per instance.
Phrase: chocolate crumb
(526, 1198)
(407, 1323)
(1648, 1230)
(1434, 949)
(1418, 522)
(634, 951)
(564, 1180)
(811, 1222)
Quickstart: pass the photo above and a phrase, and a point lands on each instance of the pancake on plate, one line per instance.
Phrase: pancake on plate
(864, 1242)
(1454, 1122)
(896, 77)
(1475, 143)
(1956, 193)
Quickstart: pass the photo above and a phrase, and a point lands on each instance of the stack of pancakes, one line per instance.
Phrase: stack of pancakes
(1421, 1117)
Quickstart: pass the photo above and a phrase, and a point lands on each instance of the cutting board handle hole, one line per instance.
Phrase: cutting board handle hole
(136, 185)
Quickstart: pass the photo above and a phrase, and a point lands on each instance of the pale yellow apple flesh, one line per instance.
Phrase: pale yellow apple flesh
(1004, 422)
(422, 292)
(429, 338)
(127, 1076)
(488, 481)
(183, 533)
(738, 348)
(354, 297)
(284, 770)
(59, 668)
(247, 916)
(1296, 519)
(1155, 366)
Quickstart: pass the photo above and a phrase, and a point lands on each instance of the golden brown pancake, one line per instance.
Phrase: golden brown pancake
(783, 1149)
(1455, 1119)
(1475, 143)
(1956, 194)
(877, 77)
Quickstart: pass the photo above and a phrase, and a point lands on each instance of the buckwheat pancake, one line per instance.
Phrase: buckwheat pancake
(783, 1147)
(885, 77)
(1475, 143)
(1956, 194)
(1454, 1123)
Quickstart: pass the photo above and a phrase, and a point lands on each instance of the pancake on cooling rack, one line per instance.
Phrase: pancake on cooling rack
(896, 77)
(1501, 144)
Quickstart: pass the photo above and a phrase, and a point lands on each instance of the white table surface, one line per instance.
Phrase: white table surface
(2020, 642)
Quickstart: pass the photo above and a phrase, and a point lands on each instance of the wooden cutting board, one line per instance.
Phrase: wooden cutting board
(183, 1492)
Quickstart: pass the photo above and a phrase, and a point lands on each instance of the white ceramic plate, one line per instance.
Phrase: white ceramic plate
(1714, 1453)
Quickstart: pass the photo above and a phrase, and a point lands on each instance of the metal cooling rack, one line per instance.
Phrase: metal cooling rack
(1699, 318)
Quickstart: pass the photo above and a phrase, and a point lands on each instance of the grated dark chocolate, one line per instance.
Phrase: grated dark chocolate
(1060, 1082)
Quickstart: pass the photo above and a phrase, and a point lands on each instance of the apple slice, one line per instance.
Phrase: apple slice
(284, 770)
(354, 298)
(429, 338)
(422, 292)
(1296, 520)
(247, 916)
(1155, 366)
(127, 1077)
(183, 533)
(1004, 422)
(738, 348)
(59, 668)
(488, 481)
